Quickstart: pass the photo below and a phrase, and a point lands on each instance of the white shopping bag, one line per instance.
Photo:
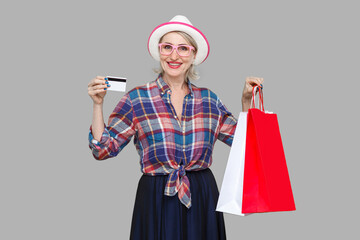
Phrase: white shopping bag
(231, 193)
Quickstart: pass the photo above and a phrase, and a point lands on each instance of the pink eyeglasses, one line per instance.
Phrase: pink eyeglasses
(182, 50)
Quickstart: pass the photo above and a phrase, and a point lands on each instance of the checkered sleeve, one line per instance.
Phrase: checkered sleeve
(117, 134)
(227, 124)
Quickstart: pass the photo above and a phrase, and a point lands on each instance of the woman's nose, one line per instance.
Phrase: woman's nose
(174, 55)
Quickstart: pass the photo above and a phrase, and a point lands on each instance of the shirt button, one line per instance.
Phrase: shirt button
(183, 149)
(94, 141)
(183, 131)
(175, 116)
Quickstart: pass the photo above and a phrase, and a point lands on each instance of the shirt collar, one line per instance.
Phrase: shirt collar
(163, 87)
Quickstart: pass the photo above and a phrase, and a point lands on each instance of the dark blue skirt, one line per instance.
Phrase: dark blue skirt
(160, 217)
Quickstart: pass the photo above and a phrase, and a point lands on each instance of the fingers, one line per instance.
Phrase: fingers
(253, 81)
(96, 81)
(97, 85)
(94, 92)
(100, 77)
(250, 82)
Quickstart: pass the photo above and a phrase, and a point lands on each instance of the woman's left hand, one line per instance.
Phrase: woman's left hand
(250, 82)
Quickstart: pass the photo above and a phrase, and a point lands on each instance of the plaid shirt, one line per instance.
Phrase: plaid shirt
(166, 144)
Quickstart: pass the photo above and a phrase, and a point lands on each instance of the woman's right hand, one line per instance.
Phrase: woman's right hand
(97, 89)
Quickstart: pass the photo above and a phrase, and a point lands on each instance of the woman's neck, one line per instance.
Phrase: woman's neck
(175, 84)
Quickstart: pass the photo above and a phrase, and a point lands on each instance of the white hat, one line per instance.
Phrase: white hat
(179, 23)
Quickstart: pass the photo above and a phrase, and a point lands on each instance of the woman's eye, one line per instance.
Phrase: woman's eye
(184, 48)
(167, 47)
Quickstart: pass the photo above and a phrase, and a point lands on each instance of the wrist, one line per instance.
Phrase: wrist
(246, 100)
(97, 105)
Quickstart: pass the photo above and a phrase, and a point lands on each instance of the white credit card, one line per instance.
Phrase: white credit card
(117, 83)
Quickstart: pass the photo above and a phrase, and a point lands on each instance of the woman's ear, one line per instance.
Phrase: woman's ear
(194, 58)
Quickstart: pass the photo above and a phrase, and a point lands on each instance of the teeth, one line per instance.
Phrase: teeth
(174, 64)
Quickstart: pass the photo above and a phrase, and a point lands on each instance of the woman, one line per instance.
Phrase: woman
(175, 125)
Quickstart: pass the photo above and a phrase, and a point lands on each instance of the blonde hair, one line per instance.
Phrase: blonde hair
(190, 73)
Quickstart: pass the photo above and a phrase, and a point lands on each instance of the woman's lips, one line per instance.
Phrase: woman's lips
(174, 65)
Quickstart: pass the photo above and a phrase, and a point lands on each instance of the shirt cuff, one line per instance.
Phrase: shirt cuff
(95, 144)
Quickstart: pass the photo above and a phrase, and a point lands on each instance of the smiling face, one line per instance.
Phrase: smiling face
(175, 66)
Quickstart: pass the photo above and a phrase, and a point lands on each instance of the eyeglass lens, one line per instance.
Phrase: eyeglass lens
(182, 50)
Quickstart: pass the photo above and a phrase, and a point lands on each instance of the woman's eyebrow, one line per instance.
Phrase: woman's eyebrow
(174, 44)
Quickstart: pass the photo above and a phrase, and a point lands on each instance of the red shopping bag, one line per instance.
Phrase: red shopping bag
(266, 186)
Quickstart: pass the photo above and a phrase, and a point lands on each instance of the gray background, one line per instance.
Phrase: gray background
(52, 187)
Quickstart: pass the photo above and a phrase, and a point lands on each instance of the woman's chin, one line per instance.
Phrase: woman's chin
(174, 73)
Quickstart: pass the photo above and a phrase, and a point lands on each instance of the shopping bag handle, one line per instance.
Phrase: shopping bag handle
(261, 99)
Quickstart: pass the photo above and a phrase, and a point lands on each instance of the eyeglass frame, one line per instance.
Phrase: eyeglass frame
(176, 47)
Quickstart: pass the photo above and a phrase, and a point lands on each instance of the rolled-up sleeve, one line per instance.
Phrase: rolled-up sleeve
(117, 134)
(227, 124)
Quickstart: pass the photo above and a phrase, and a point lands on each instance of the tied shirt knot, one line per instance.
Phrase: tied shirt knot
(178, 182)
